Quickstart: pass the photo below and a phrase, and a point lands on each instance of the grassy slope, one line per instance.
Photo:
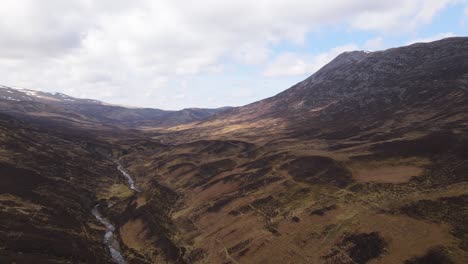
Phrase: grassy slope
(261, 203)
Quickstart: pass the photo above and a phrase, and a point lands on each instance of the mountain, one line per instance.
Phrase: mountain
(23, 101)
(365, 161)
(19, 95)
(364, 88)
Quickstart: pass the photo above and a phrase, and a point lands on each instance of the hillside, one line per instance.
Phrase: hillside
(49, 185)
(359, 92)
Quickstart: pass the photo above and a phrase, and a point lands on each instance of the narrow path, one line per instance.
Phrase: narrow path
(109, 238)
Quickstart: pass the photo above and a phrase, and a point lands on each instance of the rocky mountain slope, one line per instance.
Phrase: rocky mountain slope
(363, 88)
(366, 161)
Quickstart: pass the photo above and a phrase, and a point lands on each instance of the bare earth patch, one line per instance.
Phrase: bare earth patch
(387, 174)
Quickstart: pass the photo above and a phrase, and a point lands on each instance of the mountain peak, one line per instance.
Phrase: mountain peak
(351, 56)
(359, 84)
(341, 62)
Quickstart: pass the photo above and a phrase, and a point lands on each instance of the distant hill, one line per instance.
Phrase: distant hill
(30, 102)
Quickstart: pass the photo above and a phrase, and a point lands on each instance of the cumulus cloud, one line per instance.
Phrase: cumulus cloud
(374, 44)
(400, 15)
(432, 38)
(133, 51)
(288, 64)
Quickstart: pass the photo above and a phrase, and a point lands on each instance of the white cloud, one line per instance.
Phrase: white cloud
(131, 51)
(432, 38)
(374, 44)
(287, 64)
(290, 64)
(465, 11)
(400, 15)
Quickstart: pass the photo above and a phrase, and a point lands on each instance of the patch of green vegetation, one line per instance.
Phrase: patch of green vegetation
(116, 191)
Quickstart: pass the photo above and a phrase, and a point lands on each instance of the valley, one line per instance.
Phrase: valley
(366, 161)
(109, 240)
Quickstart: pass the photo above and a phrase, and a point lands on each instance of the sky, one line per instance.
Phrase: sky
(175, 54)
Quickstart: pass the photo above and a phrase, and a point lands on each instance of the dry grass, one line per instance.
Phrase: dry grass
(388, 171)
(14, 203)
(133, 234)
(391, 174)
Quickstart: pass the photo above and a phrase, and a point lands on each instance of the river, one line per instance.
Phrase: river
(109, 238)
(131, 182)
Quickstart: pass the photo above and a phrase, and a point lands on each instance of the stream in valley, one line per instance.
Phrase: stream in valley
(131, 182)
(109, 238)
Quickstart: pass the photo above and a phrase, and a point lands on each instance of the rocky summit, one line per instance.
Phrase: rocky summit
(365, 161)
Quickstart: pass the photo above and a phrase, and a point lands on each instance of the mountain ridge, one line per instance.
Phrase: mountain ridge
(356, 82)
(97, 111)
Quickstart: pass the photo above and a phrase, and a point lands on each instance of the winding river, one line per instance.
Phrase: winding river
(109, 239)
(131, 182)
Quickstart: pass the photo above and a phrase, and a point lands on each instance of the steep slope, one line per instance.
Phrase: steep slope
(364, 89)
(49, 184)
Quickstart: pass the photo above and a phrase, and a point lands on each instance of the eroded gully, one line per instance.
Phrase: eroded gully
(109, 238)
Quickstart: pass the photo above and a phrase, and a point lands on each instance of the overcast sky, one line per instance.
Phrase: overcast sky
(174, 54)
